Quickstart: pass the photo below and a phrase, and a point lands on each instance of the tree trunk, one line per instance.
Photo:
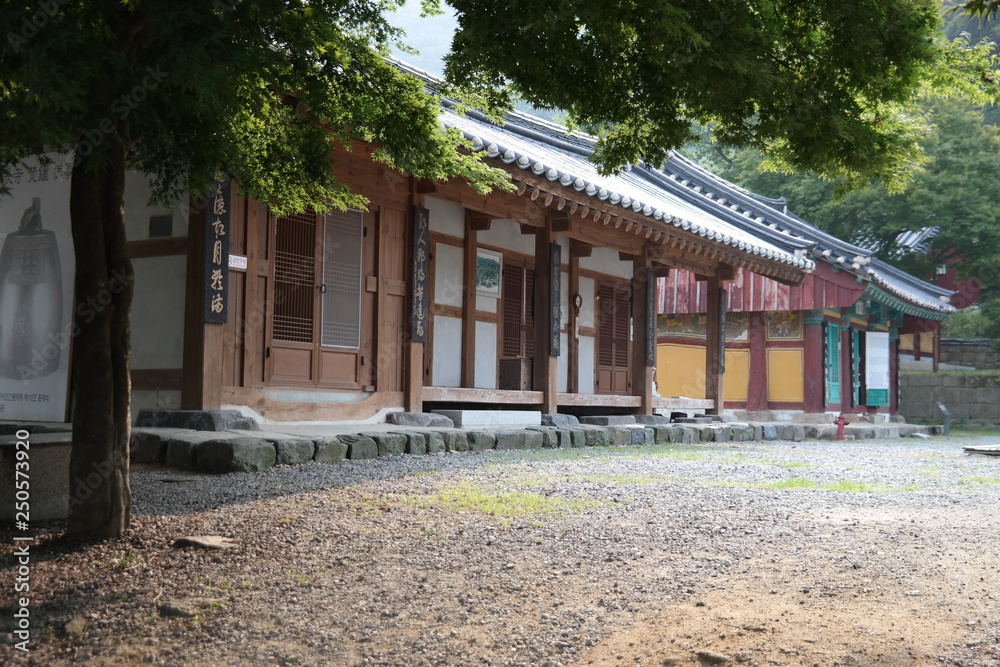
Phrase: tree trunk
(100, 499)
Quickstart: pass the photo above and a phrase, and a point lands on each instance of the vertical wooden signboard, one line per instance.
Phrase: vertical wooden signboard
(217, 254)
(421, 241)
(555, 304)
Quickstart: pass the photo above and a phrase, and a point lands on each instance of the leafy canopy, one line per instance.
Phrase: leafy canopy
(819, 85)
(257, 89)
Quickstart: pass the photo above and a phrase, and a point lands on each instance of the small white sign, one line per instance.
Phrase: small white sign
(238, 262)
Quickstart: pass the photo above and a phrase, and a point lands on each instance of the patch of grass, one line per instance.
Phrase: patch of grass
(784, 464)
(127, 561)
(607, 478)
(979, 480)
(793, 483)
(840, 486)
(532, 507)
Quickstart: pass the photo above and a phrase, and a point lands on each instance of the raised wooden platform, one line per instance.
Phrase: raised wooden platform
(516, 397)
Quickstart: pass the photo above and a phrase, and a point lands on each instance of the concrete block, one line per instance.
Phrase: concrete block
(492, 418)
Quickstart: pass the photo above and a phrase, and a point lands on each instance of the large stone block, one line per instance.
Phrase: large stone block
(388, 444)
(607, 420)
(618, 435)
(510, 440)
(549, 438)
(533, 439)
(290, 450)
(663, 434)
(238, 454)
(420, 419)
(742, 432)
(416, 443)
(329, 449)
(642, 436)
(197, 420)
(595, 436)
(359, 446)
(456, 441)
(149, 445)
(492, 418)
(481, 440)
(768, 432)
(559, 419)
(653, 420)
(435, 442)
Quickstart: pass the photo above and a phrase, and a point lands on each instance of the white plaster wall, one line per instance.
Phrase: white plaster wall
(446, 217)
(587, 309)
(586, 354)
(507, 234)
(486, 355)
(605, 260)
(562, 382)
(447, 367)
(138, 209)
(155, 400)
(486, 304)
(448, 275)
(158, 312)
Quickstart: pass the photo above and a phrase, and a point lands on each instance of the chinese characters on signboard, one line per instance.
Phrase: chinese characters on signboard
(217, 254)
(650, 317)
(421, 245)
(555, 271)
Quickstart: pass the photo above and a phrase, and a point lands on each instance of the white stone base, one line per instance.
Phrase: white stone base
(492, 418)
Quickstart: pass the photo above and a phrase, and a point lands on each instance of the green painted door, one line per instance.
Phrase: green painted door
(856, 365)
(832, 363)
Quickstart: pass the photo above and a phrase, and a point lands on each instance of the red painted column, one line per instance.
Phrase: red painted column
(757, 384)
(814, 363)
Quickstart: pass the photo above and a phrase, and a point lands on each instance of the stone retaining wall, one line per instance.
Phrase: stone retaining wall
(254, 451)
(975, 353)
(970, 397)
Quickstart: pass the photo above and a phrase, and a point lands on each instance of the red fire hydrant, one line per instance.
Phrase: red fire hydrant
(840, 426)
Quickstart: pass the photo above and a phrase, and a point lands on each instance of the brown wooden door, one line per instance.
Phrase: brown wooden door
(613, 329)
(392, 262)
(316, 334)
(517, 337)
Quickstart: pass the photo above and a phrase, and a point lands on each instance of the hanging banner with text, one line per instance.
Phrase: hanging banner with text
(37, 266)
(217, 254)
(421, 245)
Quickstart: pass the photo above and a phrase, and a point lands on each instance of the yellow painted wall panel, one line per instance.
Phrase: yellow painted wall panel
(680, 370)
(785, 380)
(737, 377)
(927, 341)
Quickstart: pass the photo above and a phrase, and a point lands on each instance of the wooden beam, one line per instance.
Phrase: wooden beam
(643, 332)
(545, 369)
(468, 352)
(426, 186)
(561, 223)
(573, 319)
(478, 222)
(580, 249)
(715, 340)
(528, 229)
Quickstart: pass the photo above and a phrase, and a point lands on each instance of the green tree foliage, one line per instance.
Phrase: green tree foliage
(182, 90)
(260, 90)
(820, 86)
(957, 190)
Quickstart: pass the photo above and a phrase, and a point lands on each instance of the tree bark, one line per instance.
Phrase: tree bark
(100, 498)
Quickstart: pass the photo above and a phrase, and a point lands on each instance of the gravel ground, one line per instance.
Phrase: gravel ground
(780, 553)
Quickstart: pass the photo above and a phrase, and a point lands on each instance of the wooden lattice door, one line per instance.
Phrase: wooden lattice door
(316, 333)
(613, 329)
(517, 340)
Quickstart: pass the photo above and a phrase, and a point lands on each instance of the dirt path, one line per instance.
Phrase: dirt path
(879, 553)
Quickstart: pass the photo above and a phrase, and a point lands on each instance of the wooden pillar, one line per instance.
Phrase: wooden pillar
(814, 363)
(757, 381)
(201, 378)
(413, 369)
(643, 331)
(469, 302)
(573, 322)
(545, 368)
(715, 345)
(846, 366)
